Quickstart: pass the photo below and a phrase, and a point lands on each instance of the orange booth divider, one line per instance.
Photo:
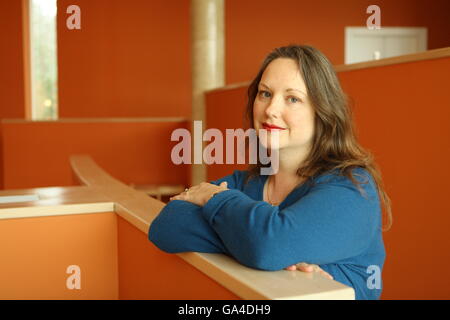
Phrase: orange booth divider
(37, 254)
(402, 114)
(145, 272)
(36, 154)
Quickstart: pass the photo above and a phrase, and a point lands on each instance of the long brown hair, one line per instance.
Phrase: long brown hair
(334, 145)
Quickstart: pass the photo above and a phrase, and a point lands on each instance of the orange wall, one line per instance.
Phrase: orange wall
(109, 69)
(12, 98)
(1, 155)
(36, 154)
(148, 273)
(255, 27)
(36, 253)
(11, 61)
(130, 59)
(402, 115)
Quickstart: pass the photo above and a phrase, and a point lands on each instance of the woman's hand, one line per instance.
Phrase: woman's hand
(307, 267)
(201, 193)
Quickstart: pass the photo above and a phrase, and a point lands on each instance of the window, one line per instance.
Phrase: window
(43, 60)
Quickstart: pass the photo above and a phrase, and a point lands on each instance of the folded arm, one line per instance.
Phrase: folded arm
(332, 222)
(180, 227)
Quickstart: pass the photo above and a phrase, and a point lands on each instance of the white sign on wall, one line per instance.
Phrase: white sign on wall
(366, 44)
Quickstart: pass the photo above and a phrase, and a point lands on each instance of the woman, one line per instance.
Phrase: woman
(320, 211)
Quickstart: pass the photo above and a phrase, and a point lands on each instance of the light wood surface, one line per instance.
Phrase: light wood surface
(132, 205)
(56, 201)
(158, 191)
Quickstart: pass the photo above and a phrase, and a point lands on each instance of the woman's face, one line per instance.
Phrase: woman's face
(282, 101)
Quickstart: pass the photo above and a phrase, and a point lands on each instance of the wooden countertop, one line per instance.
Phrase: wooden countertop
(102, 193)
(56, 201)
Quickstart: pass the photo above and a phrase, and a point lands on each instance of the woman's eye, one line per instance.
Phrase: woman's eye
(264, 94)
(294, 100)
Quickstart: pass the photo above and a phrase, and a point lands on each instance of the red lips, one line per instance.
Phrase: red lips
(271, 127)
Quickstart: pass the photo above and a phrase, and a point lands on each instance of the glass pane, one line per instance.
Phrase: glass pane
(44, 71)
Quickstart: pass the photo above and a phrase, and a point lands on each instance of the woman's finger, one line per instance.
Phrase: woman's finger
(177, 197)
(291, 268)
(305, 267)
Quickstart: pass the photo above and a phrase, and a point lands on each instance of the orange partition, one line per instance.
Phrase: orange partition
(115, 261)
(1, 155)
(37, 254)
(36, 154)
(402, 114)
(149, 273)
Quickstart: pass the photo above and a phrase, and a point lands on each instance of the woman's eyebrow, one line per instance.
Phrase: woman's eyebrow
(287, 90)
(291, 89)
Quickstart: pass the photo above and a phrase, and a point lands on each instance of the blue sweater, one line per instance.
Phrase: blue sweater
(328, 222)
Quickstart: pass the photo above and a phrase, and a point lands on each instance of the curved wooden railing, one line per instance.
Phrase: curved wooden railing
(140, 210)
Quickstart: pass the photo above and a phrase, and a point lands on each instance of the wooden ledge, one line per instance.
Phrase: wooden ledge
(134, 206)
(140, 210)
(53, 201)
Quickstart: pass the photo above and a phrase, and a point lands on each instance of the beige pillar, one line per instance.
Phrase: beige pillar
(208, 67)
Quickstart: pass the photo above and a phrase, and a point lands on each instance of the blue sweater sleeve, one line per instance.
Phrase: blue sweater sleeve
(332, 222)
(180, 227)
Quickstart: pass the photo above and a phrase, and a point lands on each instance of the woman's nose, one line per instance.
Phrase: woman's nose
(273, 109)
